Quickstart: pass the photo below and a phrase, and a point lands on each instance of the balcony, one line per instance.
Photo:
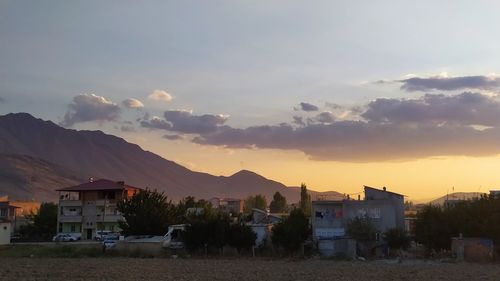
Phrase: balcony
(109, 218)
(70, 218)
(101, 202)
(70, 203)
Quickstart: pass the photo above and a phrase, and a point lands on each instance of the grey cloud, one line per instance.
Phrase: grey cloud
(325, 117)
(307, 107)
(333, 106)
(2, 100)
(173, 137)
(156, 123)
(188, 123)
(90, 107)
(298, 120)
(450, 83)
(126, 128)
(463, 109)
(392, 129)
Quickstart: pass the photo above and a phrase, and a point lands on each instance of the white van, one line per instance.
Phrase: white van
(173, 238)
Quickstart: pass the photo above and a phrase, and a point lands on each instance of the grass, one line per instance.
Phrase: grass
(51, 251)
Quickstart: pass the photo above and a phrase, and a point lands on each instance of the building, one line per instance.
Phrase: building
(228, 205)
(329, 217)
(5, 231)
(8, 214)
(91, 206)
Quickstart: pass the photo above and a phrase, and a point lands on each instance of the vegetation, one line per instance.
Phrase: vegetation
(147, 212)
(305, 200)
(361, 229)
(241, 237)
(211, 232)
(291, 232)
(476, 218)
(43, 223)
(397, 239)
(258, 201)
(278, 205)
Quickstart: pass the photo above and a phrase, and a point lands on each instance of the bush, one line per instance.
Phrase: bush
(291, 232)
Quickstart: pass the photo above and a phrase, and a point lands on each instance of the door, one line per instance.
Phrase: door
(89, 234)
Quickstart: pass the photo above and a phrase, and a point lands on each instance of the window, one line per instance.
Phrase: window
(60, 227)
(73, 228)
(3, 212)
(377, 236)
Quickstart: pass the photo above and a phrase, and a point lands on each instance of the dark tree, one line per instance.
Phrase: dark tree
(305, 200)
(291, 232)
(241, 237)
(43, 223)
(147, 212)
(361, 229)
(278, 205)
(433, 228)
(397, 238)
(210, 233)
(258, 201)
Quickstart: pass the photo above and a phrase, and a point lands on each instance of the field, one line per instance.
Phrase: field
(236, 269)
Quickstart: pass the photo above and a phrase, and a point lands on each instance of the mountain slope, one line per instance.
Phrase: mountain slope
(31, 144)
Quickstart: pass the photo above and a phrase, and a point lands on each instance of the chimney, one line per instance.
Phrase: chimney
(91, 179)
(385, 189)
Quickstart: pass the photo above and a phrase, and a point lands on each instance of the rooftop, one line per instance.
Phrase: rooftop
(100, 184)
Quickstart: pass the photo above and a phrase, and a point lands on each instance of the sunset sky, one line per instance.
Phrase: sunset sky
(336, 94)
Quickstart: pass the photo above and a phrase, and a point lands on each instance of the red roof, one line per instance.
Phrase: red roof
(101, 184)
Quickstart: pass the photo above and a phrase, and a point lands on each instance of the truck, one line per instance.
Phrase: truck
(173, 239)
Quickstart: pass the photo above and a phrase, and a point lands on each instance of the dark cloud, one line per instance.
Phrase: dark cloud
(463, 109)
(304, 106)
(173, 137)
(392, 129)
(156, 123)
(450, 83)
(325, 117)
(298, 120)
(188, 123)
(89, 107)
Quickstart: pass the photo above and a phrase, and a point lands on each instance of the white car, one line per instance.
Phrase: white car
(64, 237)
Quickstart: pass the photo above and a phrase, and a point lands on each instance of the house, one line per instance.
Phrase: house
(262, 224)
(91, 206)
(7, 220)
(228, 205)
(329, 218)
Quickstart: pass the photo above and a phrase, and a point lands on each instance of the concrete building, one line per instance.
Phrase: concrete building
(228, 205)
(91, 206)
(8, 214)
(329, 218)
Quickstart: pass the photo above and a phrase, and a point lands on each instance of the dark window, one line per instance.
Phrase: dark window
(111, 195)
(60, 227)
(73, 228)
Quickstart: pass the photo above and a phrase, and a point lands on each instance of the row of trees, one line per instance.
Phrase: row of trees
(436, 225)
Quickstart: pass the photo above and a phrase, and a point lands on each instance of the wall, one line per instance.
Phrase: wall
(5, 233)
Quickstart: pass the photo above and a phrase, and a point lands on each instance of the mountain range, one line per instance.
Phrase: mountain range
(37, 157)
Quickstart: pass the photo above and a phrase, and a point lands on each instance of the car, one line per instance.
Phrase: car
(100, 235)
(109, 244)
(64, 237)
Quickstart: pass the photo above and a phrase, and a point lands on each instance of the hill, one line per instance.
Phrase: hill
(38, 156)
(456, 196)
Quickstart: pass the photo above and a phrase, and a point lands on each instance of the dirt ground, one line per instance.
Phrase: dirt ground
(237, 269)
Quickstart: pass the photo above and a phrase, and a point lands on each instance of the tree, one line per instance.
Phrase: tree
(181, 210)
(397, 238)
(433, 228)
(147, 212)
(43, 223)
(211, 233)
(241, 237)
(278, 205)
(305, 200)
(361, 229)
(258, 201)
(291, 232)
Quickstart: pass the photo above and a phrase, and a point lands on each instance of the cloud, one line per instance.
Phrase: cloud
(156, 123)
(127, 129)
(186, 122)
(325, 117)
(444, 83)
(2, 100)
(132, 103)
(173, 137)
(463, 109)
(307, 107)
(160, 95)
(90, 107)
(388, 129)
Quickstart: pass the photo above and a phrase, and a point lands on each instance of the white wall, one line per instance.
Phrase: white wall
(4, 233)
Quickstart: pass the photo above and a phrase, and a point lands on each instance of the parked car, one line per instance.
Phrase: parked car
(64, 237)
(101, 234)
(109, 244)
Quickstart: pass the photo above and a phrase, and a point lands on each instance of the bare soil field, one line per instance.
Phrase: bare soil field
(236, 269)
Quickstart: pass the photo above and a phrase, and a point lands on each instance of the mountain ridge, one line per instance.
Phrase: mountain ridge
(75, 155)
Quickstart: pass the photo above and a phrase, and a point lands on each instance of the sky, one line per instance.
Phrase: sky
(335, 94)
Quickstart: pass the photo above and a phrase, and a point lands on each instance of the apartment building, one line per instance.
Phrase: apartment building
(91, 206)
